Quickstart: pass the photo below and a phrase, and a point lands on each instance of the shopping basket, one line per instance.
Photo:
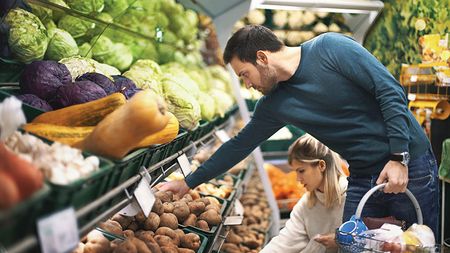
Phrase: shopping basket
(365, 243)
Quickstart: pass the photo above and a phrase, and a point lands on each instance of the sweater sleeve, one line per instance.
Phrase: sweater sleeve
(347, 57)
(261, 126)
(293, 238)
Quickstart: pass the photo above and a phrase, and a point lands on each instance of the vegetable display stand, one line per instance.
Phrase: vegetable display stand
(127, 167)
(202, 129)
(19, 221)
(365, 243)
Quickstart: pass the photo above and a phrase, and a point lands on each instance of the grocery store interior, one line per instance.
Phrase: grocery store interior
(103, 103)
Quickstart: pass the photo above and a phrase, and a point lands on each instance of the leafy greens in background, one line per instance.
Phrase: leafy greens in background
(394, 38)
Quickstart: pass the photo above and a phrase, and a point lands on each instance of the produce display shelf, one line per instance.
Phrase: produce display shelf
(158, 171)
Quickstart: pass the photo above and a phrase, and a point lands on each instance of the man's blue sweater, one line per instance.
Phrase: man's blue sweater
(344, 97)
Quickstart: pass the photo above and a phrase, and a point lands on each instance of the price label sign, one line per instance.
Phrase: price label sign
(58, 232)
(184, 164)
(222, 135)
(238, 208)
(414, 78)
(411, 97)
(144, 196)
(233, 220)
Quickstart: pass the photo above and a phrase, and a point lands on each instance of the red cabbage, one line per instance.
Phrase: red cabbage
(43, 78)
(100, 80)
(77, 93)
(33, 100)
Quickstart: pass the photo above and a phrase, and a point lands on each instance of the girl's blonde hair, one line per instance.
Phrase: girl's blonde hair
(310, 150)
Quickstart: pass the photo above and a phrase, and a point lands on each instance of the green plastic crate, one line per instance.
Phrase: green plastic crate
(20, 220)
(127, 167)
(10, 71)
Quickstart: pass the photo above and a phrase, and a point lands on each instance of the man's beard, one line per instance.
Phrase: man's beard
(268, 79)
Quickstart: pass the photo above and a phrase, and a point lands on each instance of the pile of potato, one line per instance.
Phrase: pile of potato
(250, 236)
(164, 240)
(221, 188)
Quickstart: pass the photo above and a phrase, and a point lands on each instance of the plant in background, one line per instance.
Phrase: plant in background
(394, 38)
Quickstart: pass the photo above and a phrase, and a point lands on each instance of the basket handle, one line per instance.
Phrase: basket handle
(380, 186)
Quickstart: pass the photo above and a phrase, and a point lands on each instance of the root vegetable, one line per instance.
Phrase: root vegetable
(170, 233)
(190, 241)
(212, 217)
(164, 196)
(158, 207)
(191, 220)
(168, 207)
(164, 240)
(196, 207)
(152, 222)
(169, 220)
(203, 225)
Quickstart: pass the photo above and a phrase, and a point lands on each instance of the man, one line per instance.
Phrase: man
(335, 90)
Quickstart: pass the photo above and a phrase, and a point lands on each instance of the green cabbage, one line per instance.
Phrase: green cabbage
(27, 39)
(181, 78)
(75, 26)
(101, 46)
(85, 50)
(86, 6)
(115, 7)
(207, 106)
(182, 104)
(120, 56)
(223, 101)
(61, 45)
(57, 14)
(146, 74)
(43, 13)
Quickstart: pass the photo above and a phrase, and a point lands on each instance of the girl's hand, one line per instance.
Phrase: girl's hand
(328, 240)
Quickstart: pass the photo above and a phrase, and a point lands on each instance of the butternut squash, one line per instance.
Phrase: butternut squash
(166, 135)
(123, 129)
(86, 114)
(64, 134)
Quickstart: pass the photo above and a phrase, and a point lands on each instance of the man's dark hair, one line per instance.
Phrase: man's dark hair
(248, 40)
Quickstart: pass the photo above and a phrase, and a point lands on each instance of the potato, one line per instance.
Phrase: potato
(126, 247)
(168, 207)
(169, 220)
(167, 249)
(184, 250)
(212, 217)
(194, 194)
(128, 233)
(152, 222)
(164, 196)
(158, 207)
(213, 207)
(95, 236)
(191, 241)
(196, 207)
(164, 240)
(251, 243)
(188, 197)
(140, 245)
(205, 201)
(191, 220)
(213, 201)
(91, 247)
(230, 248)
(124, 221)
(233, 238)
(111, 226)
(114, 244)
(179, 232)
(170, 233)
(181, 210)
(134, 226)
(203, 225)
(145, 236)
(154, 247)
(140, 217)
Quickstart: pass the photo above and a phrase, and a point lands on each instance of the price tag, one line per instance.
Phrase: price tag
(238, 208)
(233, 220)
(185, 165)
(222, 135)
(58, 232)
(144, 196)
(411, 97)
(131, 209)
(413, 78)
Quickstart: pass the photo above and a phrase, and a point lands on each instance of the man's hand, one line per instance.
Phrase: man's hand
(178, 187)
(328, 240)
(396, 176)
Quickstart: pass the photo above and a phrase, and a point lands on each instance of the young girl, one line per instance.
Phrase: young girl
(318, 213)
